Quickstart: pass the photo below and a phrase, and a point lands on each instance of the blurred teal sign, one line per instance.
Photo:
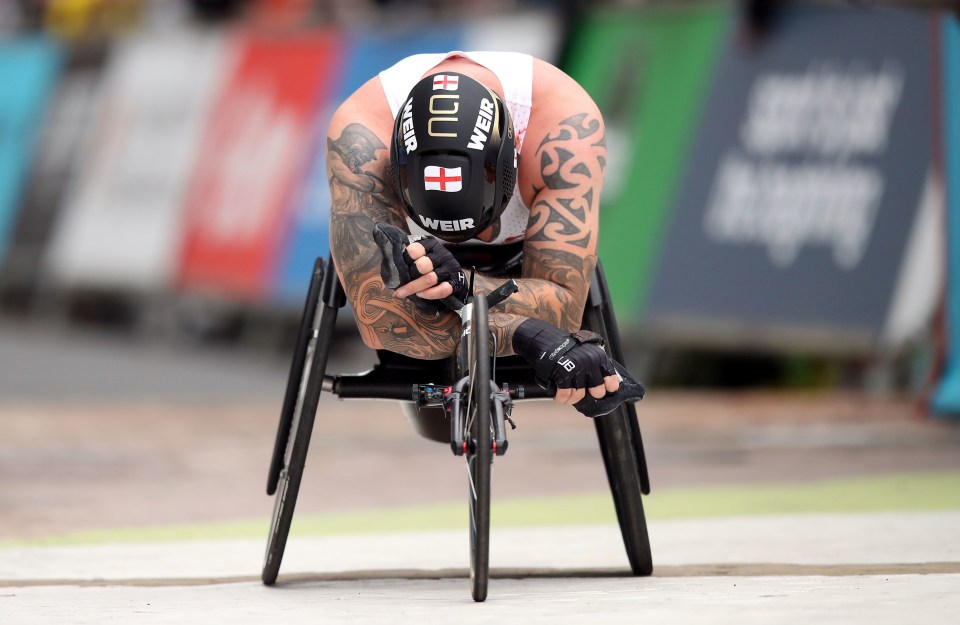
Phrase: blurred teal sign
(947, 397)
(28, 71)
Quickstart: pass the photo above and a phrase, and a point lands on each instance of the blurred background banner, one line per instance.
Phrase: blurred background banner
(253, 155)
(946, 399)
(63, 139)
(28, 72)
(120, 227)
(648, 71)
(806, 217)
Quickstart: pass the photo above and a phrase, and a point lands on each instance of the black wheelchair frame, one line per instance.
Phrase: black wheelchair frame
(401, 378)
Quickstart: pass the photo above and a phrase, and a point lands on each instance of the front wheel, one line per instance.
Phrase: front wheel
(480, 453)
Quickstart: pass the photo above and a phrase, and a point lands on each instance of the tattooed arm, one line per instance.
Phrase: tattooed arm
(561, 175)
(361, 195)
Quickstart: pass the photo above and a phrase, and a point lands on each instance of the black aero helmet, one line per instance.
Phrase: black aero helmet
(453, 156)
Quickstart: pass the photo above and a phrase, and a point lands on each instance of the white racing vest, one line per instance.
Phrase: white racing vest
(515, 72)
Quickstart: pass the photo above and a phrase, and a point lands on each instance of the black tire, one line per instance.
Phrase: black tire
(294, 457)
(617, 447)
(480, 457)
(293, 378)
(612, 337)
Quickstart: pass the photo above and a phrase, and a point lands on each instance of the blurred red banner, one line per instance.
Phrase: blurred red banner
(253, 153)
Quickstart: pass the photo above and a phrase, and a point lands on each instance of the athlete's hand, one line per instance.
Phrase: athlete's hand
(424, 270)
(630, 391)
(435, 273)
(576, 366)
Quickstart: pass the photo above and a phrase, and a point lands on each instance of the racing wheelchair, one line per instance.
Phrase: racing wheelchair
(460, 395)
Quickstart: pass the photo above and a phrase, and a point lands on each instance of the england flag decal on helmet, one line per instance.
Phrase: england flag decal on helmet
(442, 179)
(446, 82)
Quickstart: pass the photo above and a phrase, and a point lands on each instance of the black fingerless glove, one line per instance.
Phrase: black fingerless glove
(563, 360)
(397, 268)
(630, 391)
(444, 265)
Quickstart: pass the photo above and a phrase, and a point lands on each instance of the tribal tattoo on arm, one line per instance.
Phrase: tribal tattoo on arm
(562, 236)
(560, 250)
(357, 163)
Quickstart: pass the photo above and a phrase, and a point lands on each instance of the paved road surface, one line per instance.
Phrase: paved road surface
(850, 569)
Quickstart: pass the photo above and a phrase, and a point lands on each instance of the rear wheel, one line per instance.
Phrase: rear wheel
(479, 455)
(292, 394)
(615, 435)
(620, 463)
(294, 449)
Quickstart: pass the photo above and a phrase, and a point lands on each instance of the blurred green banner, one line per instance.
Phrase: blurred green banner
(648, 71)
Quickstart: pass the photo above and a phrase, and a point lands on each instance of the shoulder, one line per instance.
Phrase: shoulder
(557, 96)
(564, 119)
(358, 148)
(365, 111)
